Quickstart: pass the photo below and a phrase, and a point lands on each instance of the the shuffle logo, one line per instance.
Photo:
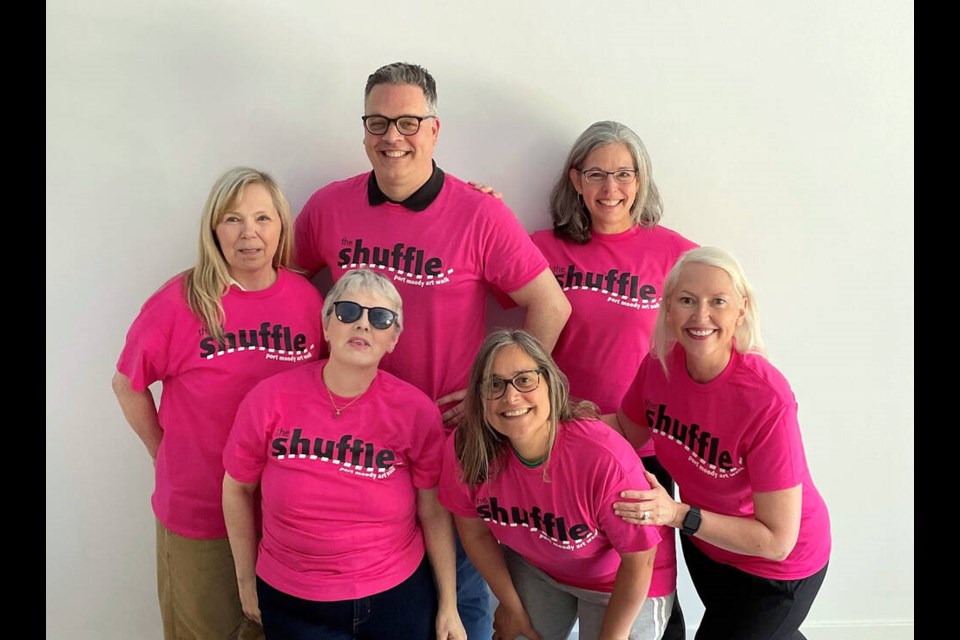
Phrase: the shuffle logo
(551, 526)
(705, 448)
(277, 340)
(620, 287)
(408, 264)
(351, 455)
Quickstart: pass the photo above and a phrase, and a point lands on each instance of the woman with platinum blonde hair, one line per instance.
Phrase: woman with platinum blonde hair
(755, 530)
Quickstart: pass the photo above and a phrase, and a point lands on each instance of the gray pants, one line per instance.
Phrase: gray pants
(554, 607)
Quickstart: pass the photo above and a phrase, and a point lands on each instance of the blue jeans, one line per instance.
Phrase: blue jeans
(408, 611)
(473, 598)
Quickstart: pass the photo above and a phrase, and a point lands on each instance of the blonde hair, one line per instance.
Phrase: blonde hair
(208, 280)
(747, 336)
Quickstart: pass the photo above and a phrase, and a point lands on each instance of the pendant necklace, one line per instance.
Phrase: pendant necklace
(336, 409)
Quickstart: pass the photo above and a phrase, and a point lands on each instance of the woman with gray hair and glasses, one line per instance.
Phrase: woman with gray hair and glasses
(347, 457)
(531, 479)
(610, 254)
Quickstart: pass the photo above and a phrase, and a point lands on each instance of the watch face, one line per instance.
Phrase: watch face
(691, 521)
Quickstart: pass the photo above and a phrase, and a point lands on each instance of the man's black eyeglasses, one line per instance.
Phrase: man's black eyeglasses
(406, 125)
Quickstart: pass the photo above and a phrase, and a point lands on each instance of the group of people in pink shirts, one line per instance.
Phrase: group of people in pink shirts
(372, 462)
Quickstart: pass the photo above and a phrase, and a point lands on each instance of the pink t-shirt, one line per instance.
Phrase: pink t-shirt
(339, 494)
(614, 286)
(727, 439)
(566, 527)
(266, 332)
(443, 260)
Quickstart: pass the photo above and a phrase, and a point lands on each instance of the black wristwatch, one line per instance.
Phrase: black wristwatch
(691, 522)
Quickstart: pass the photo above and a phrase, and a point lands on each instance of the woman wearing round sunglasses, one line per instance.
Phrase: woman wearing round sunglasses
(355, 542)
(531, 480)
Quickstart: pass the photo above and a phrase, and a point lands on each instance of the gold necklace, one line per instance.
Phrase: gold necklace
(336, 409)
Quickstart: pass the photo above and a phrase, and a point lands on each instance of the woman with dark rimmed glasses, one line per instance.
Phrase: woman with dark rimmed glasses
(531, 479)
(355, 543)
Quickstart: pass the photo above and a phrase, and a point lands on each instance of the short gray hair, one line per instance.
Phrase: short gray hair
(405, 73)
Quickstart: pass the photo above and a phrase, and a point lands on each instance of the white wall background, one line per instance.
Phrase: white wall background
(780, 131)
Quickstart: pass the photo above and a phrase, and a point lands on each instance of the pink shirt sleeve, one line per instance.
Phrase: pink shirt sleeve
(307, 252)
(775, 459)
(454, 493)
(427, 448)
(144, 356)
(512, 260)
(245, 453)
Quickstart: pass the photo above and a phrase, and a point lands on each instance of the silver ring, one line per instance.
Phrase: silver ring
(644, 515)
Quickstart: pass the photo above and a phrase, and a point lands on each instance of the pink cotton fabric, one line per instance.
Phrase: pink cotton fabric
(267, 332)
(726, 439)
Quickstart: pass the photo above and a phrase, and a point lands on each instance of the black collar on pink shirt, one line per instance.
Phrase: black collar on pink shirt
(418, 200)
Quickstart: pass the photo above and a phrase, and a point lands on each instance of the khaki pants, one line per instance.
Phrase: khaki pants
(197, 587)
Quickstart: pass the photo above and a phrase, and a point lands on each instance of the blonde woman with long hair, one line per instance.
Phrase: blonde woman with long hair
(209, 335)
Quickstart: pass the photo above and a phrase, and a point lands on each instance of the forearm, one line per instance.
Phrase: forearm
(140, 411)
(487, 556)
(629, 593)
(544, 320)
(546, 308)
(637, 435)
(771, 533)
(437, 524)
(238, 512)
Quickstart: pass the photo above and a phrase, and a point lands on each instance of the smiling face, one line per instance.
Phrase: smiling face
(523, 417)
(249, 234)
(608, 202)
(358, 343)
(401, 163)
(703, 312)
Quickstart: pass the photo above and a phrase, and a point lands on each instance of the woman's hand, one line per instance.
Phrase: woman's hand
(250, 602)
(482, 188)
(510, 623)
(652, 506)
(451, 417)
(449, 626)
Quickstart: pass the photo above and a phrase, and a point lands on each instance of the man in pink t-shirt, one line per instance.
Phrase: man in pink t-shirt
(443, 244)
